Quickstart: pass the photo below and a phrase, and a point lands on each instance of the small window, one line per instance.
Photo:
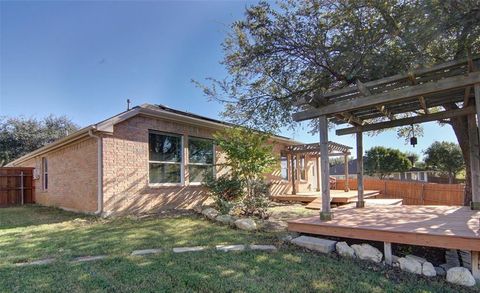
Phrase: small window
(45, 173)
(303, 171)
(165, 158)
(284, 167)
(200, 159)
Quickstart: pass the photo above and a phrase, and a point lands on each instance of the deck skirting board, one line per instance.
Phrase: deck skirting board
(441, 241)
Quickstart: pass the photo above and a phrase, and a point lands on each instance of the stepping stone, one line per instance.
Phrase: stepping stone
(188, 249)
(44, 261)
(314, 243)
(263, 247)
(239, 247)
(146, 251)
(88, 258)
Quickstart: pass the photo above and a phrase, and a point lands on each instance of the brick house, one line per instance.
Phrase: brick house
(146, 159)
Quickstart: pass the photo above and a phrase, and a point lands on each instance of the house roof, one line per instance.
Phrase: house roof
(156, 111)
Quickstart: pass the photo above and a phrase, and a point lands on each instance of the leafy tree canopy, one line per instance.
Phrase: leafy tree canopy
(281, 52)
(383, 161)
(248, 154)
(445, 157)
(20, 135)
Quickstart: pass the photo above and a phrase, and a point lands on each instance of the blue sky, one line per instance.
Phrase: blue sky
(84, 59)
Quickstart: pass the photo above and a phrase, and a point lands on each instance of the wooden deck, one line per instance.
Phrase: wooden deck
(317, 203)
(454, 227)
(336, 196)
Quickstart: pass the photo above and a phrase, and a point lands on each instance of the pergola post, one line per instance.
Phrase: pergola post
(347, 188)
(318, 173)
(473, 134)
(325, 214)
(293, 170)
(360, 201)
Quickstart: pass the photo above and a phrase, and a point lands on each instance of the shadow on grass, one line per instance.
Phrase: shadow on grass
(33, 215)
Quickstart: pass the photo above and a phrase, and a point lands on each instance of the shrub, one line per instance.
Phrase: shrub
(257, 203)
(225, 191)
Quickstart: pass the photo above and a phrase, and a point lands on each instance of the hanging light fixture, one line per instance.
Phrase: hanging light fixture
(413, 139)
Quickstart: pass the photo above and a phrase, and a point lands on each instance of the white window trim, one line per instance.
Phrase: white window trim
(182, 162)
(190, 183)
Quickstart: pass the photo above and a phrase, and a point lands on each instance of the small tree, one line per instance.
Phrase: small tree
(445, 157)
(20, 135)
(249, 157)
(385, 161)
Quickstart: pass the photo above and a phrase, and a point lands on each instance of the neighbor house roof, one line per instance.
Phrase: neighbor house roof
(156, 111)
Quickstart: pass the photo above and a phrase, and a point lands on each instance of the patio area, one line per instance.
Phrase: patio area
(336, 196)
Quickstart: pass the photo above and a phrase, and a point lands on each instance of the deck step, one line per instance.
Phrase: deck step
(315, 243)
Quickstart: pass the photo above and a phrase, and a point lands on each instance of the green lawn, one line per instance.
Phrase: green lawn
(34, 232)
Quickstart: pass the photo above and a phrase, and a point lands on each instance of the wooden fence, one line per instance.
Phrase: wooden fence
(16, 186)
(412, 193)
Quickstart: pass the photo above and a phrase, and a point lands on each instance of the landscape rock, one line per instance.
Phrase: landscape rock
(225, 219)
(198, 209)
(146, 251)
(446, 266)
(188, 249)
(263, 247)
(344, 250)
(289, 236)
(89, 258)
(428, 269)
(460, 276)
(314, 243)
(410, 265)
(440, 271)
(417, 258)
(210, 213)
(239, 247)
(246, 224)
(367, 252)
(44, 261)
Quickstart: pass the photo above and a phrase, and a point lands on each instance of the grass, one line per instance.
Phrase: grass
(30, 233)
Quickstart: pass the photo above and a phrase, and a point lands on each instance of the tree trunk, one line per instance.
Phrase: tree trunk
(460, 127)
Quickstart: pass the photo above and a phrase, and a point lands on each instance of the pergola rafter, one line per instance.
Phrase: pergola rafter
(378, 102)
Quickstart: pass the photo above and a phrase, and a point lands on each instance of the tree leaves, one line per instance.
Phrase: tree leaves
(20, 135)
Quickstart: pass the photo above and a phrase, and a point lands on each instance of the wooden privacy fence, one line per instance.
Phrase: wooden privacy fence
(412, 193)
(17, 186)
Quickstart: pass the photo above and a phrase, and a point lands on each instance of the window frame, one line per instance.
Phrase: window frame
(190, 182)
(182, 160)
(44, 174)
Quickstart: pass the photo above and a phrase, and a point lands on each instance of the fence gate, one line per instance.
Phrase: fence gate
(17, 186)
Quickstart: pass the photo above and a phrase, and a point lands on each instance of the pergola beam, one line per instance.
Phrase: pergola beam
(392, 96)
(408, 121)
(362, 88)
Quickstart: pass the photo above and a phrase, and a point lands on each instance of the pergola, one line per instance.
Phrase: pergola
(314, 149)
(399, 100)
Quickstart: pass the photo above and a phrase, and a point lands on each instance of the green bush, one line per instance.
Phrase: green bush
(225, 191)
(257, 203)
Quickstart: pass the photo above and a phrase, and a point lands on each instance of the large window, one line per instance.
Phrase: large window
(45, 173)
(200, 159)
(165, 158)
(284, 167)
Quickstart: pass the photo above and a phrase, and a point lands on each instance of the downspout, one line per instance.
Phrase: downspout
(99, 210)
